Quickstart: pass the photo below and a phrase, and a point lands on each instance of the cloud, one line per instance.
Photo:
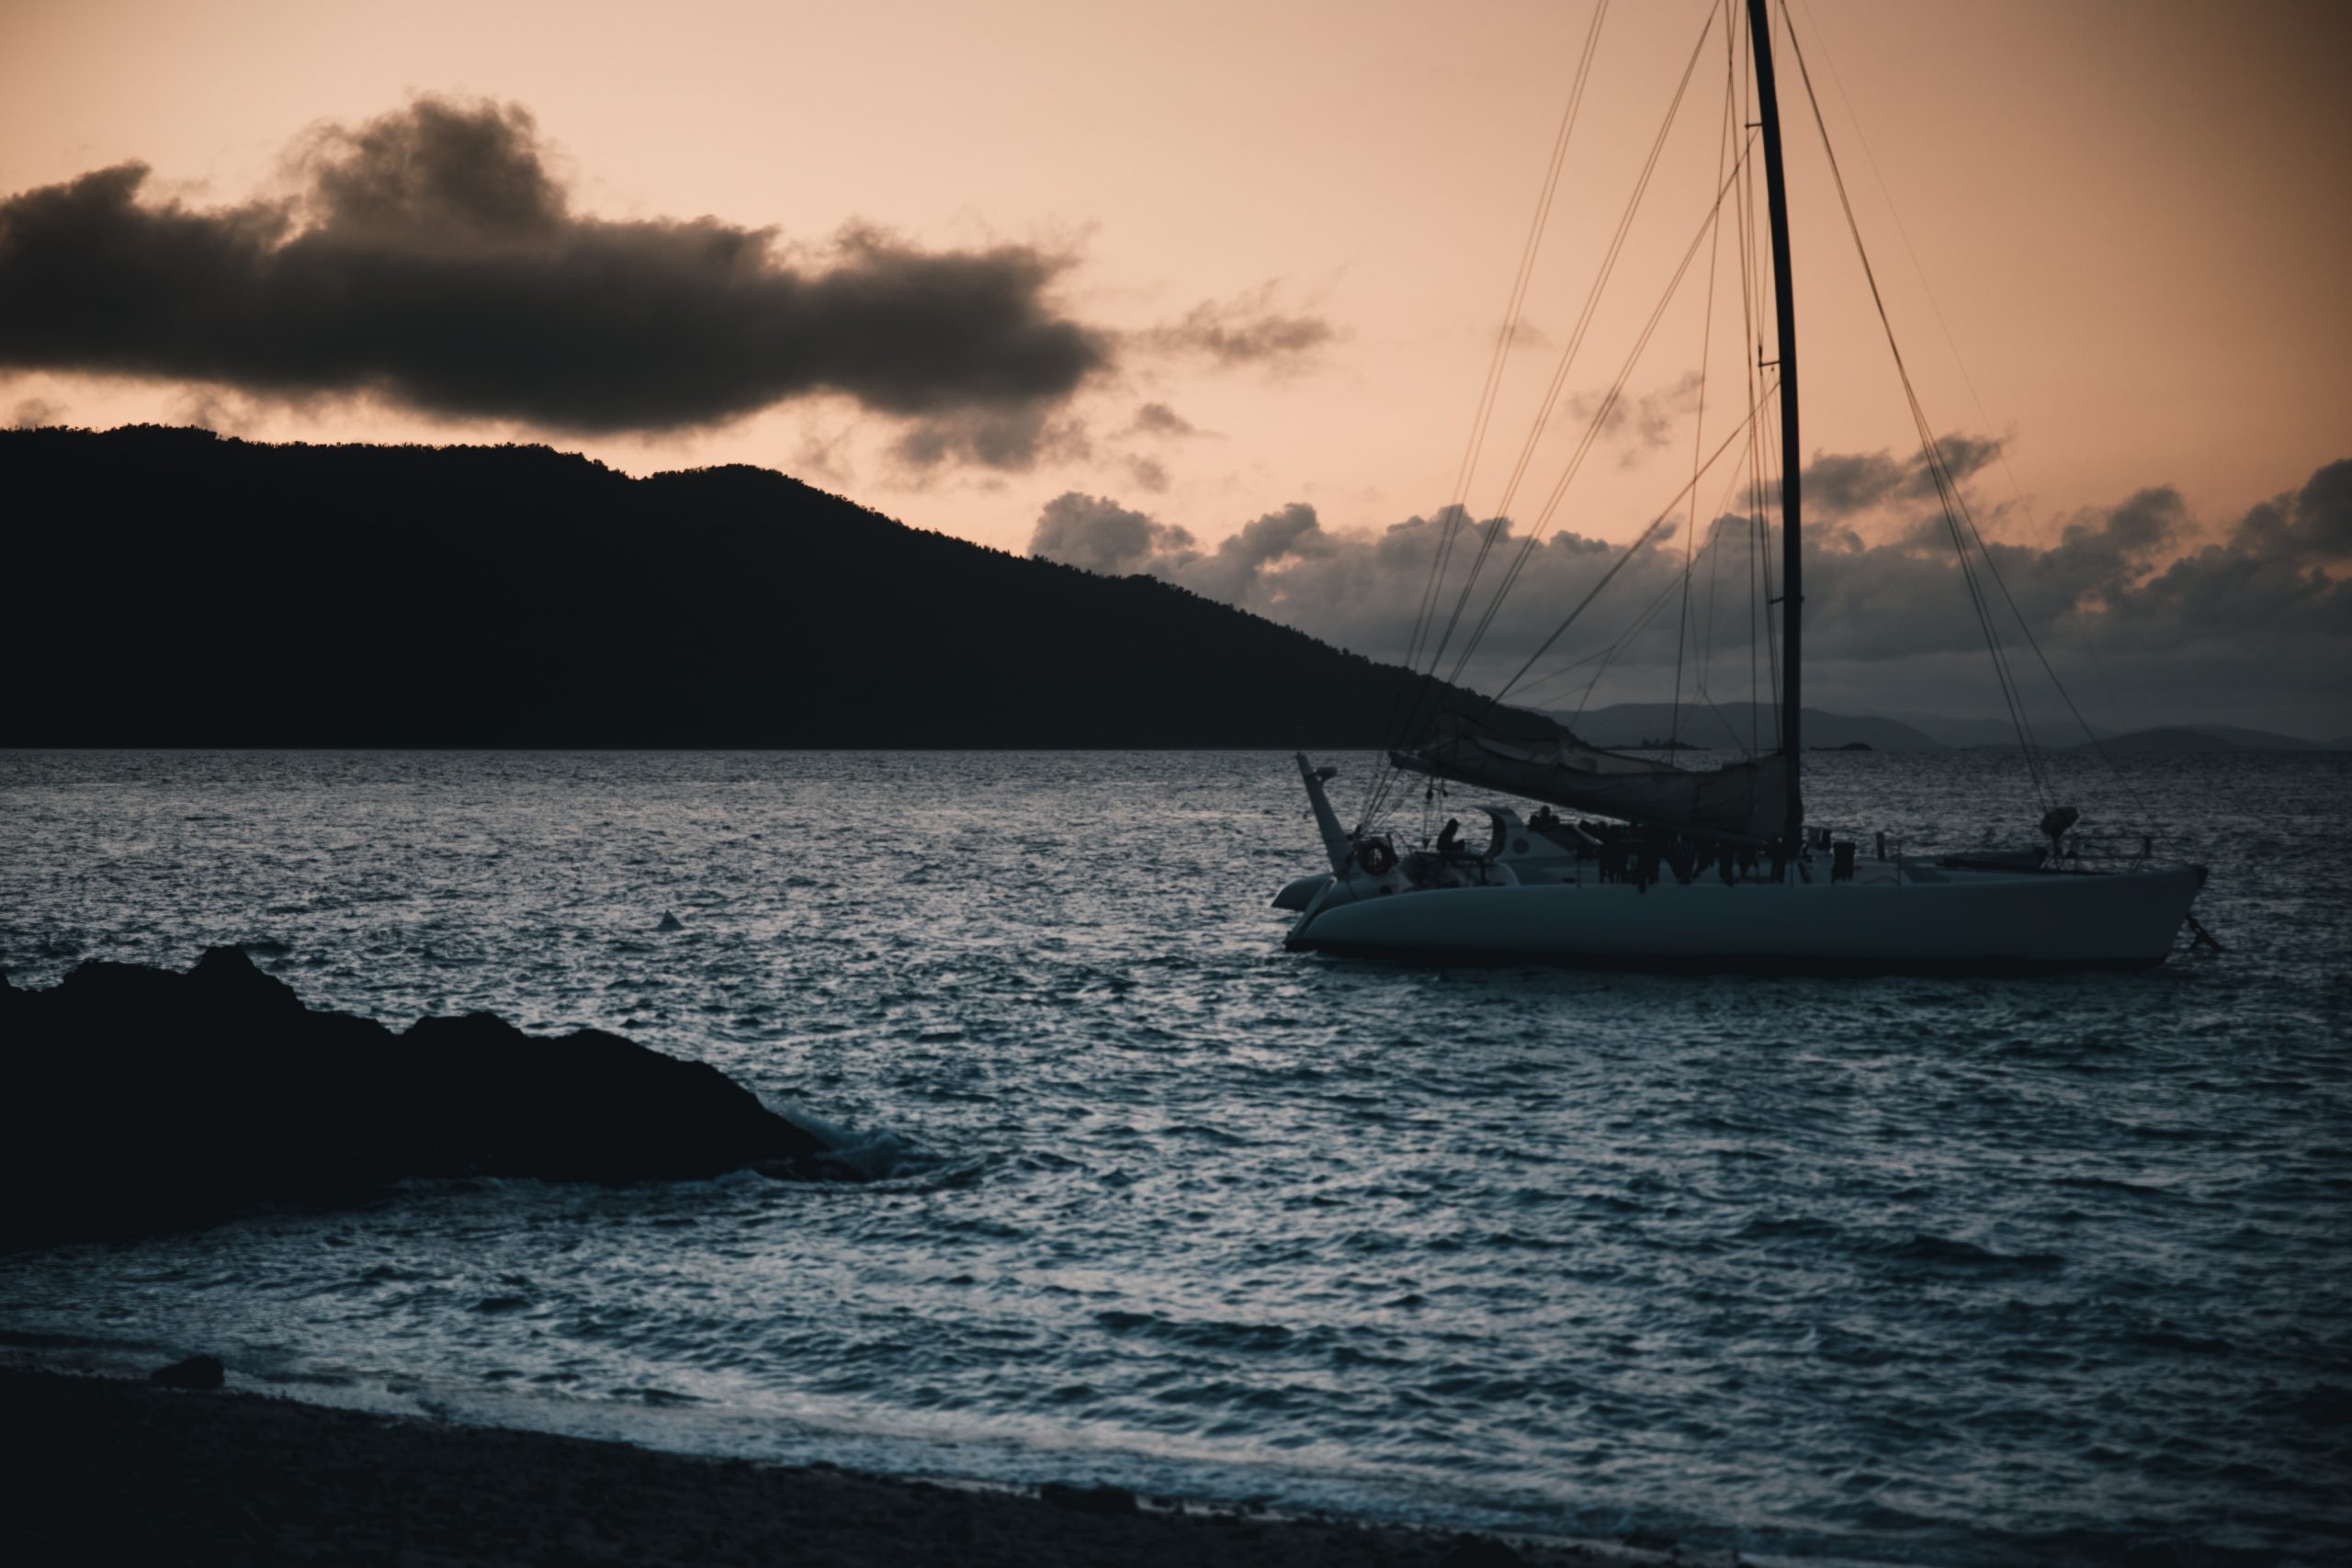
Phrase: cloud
(1838, 485)
(1358, 589)
(2144, 620)
(824, 457)
(430, 259)
(1102, 536)
(30, 412)
(2316, 521)
(1243, 331)
(1160, 419)
(1018, 437)
(1640, 424)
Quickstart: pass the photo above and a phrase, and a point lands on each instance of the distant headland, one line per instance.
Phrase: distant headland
(169, 587)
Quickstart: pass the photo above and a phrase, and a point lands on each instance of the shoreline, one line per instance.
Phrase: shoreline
(113, 1469)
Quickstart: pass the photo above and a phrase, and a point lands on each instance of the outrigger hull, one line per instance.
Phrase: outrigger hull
(1964, 921)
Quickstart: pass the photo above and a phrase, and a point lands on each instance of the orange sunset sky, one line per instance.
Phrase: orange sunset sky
(2114, 237)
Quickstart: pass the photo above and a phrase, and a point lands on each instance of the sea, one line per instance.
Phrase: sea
(2048, 1271)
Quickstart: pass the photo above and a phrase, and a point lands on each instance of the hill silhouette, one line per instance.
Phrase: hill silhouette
(169, 587)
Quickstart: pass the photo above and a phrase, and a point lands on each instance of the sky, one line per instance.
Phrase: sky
(1211, 291)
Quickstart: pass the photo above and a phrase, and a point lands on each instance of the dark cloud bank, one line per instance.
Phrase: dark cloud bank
(2149, 619)
(431, 259)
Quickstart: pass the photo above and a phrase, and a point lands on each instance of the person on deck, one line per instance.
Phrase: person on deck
(1647, 852)
(1448, 838)
(1616, 858)
(1680, 857)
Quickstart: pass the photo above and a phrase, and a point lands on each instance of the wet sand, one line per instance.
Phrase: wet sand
(112, 1470)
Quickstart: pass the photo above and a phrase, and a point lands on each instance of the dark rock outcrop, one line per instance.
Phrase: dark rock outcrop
(197, 1372)
(140, 1100)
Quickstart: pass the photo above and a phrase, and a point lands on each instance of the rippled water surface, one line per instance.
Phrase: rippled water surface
(1939, 1271)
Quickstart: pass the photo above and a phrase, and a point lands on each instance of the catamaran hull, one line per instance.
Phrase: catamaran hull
(1969, 922)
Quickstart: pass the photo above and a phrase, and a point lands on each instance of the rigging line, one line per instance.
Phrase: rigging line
(1953, 507)
(1561, 674)
(1752, 315)
(1754, 467)
(1967, 379)
(1919, 269)
(1610, 653)
(1559, 376)
(1764, 553)
(1699, 426)
(1768, 481)
(1513, 313)
(1707, 623)
(1724, 719)
(1619, 565)
(1714, 540)
(1947, 497)
(1937, 467)
(1715, 576)
(2011, 694)
(1755, 598)
(1608, 263)
(1893, 213)
(1584, 447)
(1576, 340)
(1760, 587)
(1679, 580)
(1625, 638)
(1760, 577)
(2032, 641)
(1975, 396)
(2097, 745)
(1564, 671)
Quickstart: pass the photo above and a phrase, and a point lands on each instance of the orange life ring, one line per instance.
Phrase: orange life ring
(1376, 858)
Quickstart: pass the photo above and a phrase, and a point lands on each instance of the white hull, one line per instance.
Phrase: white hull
(1965, 921)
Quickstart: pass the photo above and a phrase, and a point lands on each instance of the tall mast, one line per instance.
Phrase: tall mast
(1776, 198)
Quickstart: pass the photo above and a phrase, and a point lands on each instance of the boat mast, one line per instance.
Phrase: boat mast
(1775, 196)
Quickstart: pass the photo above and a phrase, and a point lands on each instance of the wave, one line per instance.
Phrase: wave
(878, 1158)
(1939, 1252)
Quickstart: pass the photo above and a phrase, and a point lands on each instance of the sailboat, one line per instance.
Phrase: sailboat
(1709, 869)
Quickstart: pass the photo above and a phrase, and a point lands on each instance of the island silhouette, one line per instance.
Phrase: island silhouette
(171, 587)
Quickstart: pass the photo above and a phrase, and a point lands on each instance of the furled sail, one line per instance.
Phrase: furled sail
(1526, 755)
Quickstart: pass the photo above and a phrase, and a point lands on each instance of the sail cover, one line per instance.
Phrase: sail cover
(1528, 755)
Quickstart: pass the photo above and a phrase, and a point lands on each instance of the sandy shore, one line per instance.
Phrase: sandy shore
(112, 1470)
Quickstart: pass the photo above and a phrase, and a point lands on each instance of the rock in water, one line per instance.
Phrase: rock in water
(197, 1371)
(670, 922)
(140, 1100)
